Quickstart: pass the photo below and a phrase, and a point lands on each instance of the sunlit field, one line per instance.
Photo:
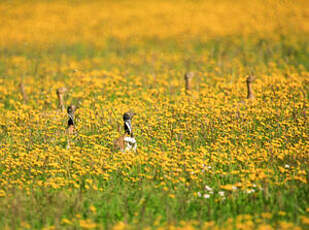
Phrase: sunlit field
(209, 157)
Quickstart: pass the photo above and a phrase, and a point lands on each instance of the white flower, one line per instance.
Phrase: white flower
(199, 194)
(254, 185)
(205, 167)
(287, 166)
(250, 191)
(221, 193)
(206, 196)
(207, 188)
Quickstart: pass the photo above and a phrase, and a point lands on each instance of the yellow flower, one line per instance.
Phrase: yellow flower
(66, 221)
(281, 213)
(25, 225)
(171, 195)
(93, 209)
(2, 193)
(265, 227)
(266, 215)
(305, 220)
(119, 226)
(87, 224)
(228, 187)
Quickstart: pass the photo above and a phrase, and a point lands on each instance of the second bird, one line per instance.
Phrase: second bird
(126, 142)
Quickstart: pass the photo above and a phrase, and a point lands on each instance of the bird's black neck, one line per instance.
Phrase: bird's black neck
(128, 127)
(71, 120)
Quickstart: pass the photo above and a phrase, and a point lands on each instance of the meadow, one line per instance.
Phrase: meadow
(208, 158)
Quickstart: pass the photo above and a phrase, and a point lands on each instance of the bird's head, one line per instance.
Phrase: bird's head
(127, 122)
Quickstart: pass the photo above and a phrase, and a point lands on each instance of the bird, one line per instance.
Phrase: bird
(127, 141)
(250, 94)
(188, 79)
(60, 94)
(23, 91)
(71, 123)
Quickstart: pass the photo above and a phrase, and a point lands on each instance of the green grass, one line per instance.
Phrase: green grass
(140, 203)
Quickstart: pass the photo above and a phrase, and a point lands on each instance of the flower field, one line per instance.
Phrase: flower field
(207, 158)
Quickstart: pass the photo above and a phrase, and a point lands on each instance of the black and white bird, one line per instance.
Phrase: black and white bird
(71, 124)
(127, 141)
